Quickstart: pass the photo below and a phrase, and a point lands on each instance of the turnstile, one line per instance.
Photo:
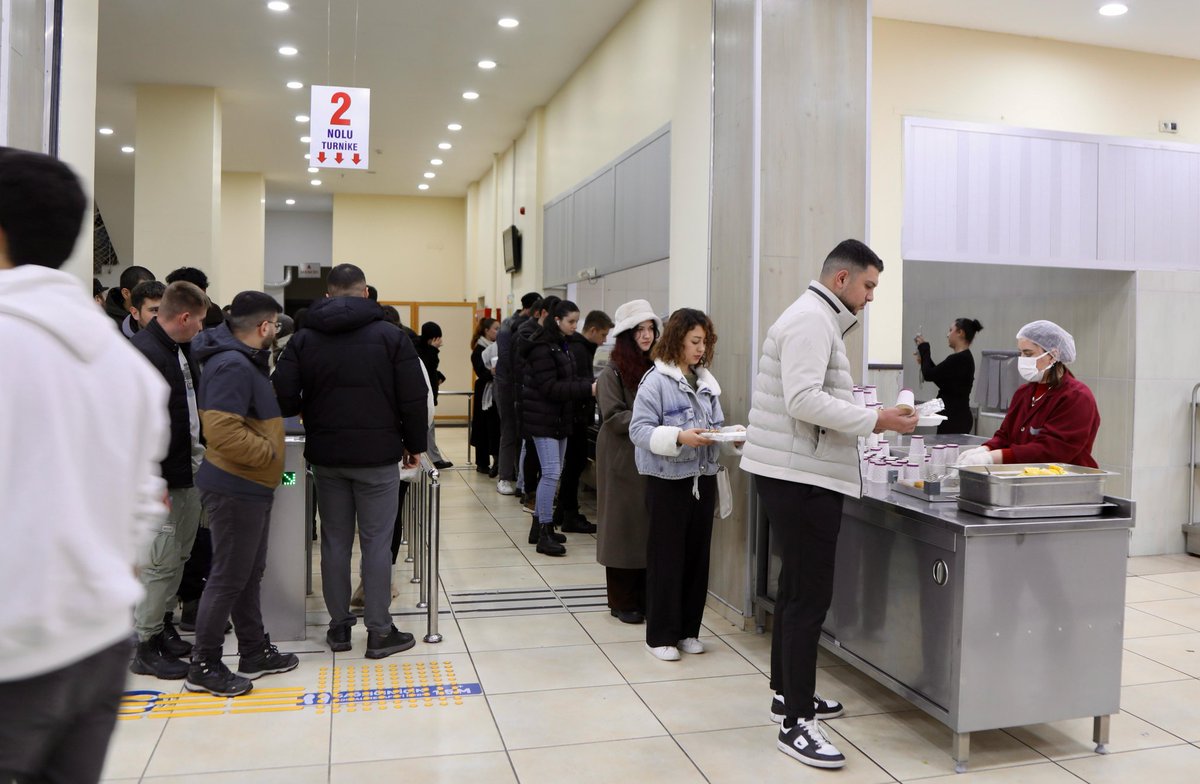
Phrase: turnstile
(285, 581)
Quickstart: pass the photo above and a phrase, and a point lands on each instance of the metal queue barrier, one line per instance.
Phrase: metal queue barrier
(470, 396)
(422, 534)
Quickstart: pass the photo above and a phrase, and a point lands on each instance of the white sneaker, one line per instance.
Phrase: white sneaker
(506, 487)
(691, 645)
(807, 743)
(664, 652)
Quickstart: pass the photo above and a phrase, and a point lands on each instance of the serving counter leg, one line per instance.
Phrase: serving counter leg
(1100, 727)
(961, 750)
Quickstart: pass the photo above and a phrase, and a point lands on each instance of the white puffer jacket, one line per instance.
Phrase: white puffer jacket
(803, 421)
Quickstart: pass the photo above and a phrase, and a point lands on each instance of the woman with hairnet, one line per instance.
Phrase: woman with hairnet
(1051, 419)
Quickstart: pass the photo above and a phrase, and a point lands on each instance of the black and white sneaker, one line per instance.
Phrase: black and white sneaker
(805, 741)
(266, 661)
(823, 709)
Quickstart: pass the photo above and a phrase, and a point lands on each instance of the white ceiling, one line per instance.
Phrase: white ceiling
(418, 56)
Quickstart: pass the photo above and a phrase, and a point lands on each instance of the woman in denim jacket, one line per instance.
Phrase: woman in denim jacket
(678, 401)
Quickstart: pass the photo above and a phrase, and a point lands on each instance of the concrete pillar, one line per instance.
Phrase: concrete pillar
(77, 116)
(241, 261)
(177, 179)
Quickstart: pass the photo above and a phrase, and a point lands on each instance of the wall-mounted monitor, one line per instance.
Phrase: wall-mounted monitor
(512, 249)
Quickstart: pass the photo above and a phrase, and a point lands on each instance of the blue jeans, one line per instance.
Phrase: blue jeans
(551, 452)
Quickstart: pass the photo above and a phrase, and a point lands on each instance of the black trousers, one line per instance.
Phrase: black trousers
(626, 589)
(55, 727)
(573, 467)
(240, 530)
(533, 468)
(805, 521)
(195, 571)
(677, 552)
(398, 531)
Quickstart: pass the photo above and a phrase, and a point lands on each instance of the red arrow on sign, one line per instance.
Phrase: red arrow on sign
(321, 156)
(356, 158)
(338, 157)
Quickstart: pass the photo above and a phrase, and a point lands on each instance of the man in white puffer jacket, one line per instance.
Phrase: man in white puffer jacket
(802, 447)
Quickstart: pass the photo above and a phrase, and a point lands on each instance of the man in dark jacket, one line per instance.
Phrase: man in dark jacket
(504, 385)
(117, 303)
(243, 464)
(166, 342)
(357, 380)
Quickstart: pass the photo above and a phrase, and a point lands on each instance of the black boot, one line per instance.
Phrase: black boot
(151, 659)
(535, 531)
(547, 544)
(210, 674)
(172, 643)
(578, 524)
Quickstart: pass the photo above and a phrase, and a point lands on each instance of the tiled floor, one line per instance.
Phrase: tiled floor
(575, 697)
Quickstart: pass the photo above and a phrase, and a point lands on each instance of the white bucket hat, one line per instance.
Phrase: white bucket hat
(633, 313)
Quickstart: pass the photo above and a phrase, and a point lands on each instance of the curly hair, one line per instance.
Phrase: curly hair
(669, 348)
(630, 362)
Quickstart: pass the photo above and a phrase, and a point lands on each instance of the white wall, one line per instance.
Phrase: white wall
(295, 238)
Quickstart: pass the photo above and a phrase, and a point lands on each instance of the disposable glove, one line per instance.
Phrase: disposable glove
(980, 455)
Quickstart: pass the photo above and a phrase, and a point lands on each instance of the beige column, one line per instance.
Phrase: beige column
(177, 178)
(77, 116)
(241, 261)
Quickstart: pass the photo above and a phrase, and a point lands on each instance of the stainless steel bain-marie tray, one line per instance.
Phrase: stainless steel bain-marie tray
(1004, 486)
(1034, 512)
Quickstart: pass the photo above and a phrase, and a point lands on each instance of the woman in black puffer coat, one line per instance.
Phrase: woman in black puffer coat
(550, 390)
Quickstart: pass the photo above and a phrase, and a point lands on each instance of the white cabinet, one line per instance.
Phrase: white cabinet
(1150, 207)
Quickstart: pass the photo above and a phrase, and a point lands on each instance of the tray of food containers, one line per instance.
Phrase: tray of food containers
(1032, 485)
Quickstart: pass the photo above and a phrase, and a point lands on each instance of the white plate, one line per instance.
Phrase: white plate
(931, 420)
(733, 436)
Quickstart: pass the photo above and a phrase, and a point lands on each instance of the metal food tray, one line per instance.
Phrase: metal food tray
(1032, 512)
(1003, 485)
(942, 496)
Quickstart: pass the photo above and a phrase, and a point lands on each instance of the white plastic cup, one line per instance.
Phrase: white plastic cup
(951, 454)
(912, 471)
(906, 402)
(885, 449)
(916, 447)
(939, 455)
(869, 394)
(860, 399)
(877, 471)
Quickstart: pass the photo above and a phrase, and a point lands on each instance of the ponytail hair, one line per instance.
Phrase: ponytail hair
(560, 309)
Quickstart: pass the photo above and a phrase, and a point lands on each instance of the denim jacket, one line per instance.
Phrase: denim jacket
(666, 404)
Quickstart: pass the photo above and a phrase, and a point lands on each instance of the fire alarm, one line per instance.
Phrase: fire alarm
(522, 210)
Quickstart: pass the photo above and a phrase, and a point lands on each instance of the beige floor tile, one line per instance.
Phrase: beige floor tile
(639, 666)
(422, 731)
(416, 625)
(571, 574)
(705, 704)
(476, 541)
(527, 631)
(1174, 707)
(719, 624)
(238, 742)
(860, 694)
(1174, 765)
(604, 628)
(1142, 589)
(491, 577)
(577, 552)
(750, 755)
(490, 768)
(473, 559)
(754, 647)
(1185, 581)
(476, 524)
(312, 774)
(1152, 565)
(401, 670)
(1185, 612)
(1039, 773)
(1187, 561)
(131, 746)
(913, 745)
(1178, 651)
(534, 669)
(1072, 739)
(1139, 624)
(643, 760)
(1137, 669)
(534, 719)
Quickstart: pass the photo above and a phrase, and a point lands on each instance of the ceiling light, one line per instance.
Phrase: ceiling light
(454, 127)
(127, 148)
(444, 145)
(423, 186)
(429, 175)
(301, 118)
(305, 139)
(288, 51)
(508, 21)
(487, 65)
(295, 85)
(436, 162)
(289, 202)
(278, 5)
(1113, 9)
(307, 156)
(313, 170)
(470, 95)
(106, 131)
(314, 182)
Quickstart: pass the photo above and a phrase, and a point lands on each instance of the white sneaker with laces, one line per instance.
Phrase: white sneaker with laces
(691, 645)
(806, 742)
(506, 487)
(664, 652)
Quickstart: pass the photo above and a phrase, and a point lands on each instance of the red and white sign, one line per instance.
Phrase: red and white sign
(340, 128)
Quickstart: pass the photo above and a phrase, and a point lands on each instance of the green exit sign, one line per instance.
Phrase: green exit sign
(289, 479)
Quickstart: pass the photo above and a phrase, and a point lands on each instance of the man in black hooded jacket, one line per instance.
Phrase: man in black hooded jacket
(357, 381)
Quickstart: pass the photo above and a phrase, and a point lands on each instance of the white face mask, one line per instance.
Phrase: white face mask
(1027, 367)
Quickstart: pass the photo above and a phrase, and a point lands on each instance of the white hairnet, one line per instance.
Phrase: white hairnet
(1050, 337)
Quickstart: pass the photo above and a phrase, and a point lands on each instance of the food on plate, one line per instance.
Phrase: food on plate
(1054, 470)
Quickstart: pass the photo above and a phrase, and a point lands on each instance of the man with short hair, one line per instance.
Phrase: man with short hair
(802, 447)
(504, 385)
(117, 303)
(166, 342)
(243, 464)
(143, 304)
(197, 278)
(357, 381)
(81, 491)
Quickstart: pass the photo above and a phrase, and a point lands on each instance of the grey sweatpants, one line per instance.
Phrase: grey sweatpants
(162, 566)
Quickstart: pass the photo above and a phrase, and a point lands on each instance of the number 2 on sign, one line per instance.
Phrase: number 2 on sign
(344, 100)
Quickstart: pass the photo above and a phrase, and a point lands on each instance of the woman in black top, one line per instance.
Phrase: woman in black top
(428, 348)
(954, 376)
(485, 422)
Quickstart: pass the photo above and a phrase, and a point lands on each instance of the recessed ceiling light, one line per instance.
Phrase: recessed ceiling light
(470, 95)
(454, 127)
(288, 51)
(423, 186)
(289, 202)
(314, 182)
(106, 131)
(1113, 9)
(278, 5)
(429, 175)
(295, 85)
(487, 65)
(127, 148)
(444, 145)
(436, 162)
(313, 170)
(307, 156)
(508, 21)
(305, 139)
(301, 118)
